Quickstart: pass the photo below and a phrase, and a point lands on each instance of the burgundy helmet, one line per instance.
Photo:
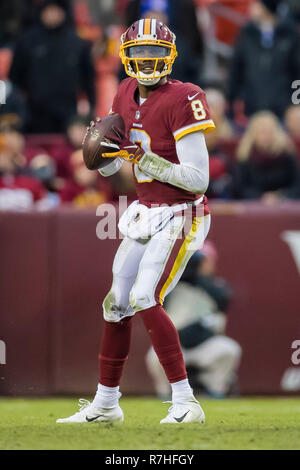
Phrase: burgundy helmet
(150, 40)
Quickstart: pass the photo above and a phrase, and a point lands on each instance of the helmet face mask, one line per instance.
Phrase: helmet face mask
(148, 51)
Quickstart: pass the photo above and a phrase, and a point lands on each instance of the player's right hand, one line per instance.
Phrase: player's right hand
(128, 150)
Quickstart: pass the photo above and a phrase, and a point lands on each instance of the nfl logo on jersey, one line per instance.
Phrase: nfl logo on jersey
(137, 115)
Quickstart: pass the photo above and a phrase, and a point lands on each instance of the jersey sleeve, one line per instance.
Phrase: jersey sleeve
(190, 113)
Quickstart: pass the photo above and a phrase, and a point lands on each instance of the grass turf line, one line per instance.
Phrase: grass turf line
(247, 423)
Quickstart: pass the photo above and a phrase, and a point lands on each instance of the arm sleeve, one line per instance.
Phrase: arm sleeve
(112, 168)
(191, 174)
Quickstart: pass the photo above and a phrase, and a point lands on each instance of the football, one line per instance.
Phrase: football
(95, 143)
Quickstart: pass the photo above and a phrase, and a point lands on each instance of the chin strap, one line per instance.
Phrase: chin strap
(149, 81)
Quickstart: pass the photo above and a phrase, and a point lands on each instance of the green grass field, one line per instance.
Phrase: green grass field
(265, 423)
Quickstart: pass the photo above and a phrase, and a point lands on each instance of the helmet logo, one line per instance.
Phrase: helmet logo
(95, 135)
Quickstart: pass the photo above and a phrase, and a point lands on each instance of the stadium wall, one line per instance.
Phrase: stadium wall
(55, 272)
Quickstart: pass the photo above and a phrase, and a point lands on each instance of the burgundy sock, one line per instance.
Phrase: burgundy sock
(165, 341)
(114, 351)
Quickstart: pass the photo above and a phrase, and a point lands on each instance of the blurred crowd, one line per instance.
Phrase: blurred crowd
(55, 55)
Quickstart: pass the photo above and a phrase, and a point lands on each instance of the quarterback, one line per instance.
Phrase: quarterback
(165, 122)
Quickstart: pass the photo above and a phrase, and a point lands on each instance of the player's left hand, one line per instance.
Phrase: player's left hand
(92, 124)
(128, 150)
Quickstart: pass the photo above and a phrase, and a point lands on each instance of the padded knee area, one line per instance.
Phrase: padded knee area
(113, 312)
(140, 299)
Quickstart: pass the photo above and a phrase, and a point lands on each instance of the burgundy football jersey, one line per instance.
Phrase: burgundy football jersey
(170, 112)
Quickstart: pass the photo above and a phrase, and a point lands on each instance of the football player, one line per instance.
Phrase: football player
(165, 122)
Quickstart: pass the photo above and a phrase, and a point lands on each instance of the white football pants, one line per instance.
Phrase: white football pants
(145, 271)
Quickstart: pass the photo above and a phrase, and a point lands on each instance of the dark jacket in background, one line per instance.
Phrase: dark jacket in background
(52, 67)
(18, 15)
(11, 14)
(258, 175)
(262, 72)
(32, 8)
(294, 8)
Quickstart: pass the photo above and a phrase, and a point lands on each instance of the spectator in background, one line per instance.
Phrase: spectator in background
(292, 121)
(198, 308)
(293, 8)
(219, 169)
(31, 9)
(51, 65)
(87, 188)
(180, 16)
(219, 161)
(18, 15)
(18, 191)
(43, 169)
(104, 12)
(266, 61)
(10, 22)
(59, 149)
(61, 153)
(217, 105)
(76, 130)
(266, 166)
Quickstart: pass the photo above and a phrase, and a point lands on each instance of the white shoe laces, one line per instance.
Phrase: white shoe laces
(176, 407)
(173, 406)
(83, 404)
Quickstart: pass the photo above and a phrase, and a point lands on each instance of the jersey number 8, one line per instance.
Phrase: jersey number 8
(198, 109)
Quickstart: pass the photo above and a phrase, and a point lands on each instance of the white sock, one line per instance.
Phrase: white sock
(107, 397)
(181, 391)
